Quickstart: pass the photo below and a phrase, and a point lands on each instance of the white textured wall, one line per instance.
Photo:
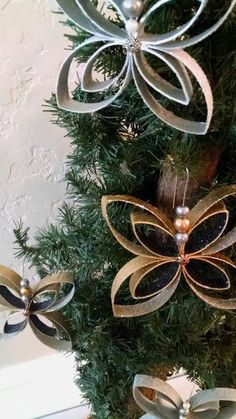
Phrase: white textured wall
(32, 150)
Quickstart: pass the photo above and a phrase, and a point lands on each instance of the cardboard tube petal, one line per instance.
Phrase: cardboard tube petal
(10, 281)
(88, 84)
(221, 244)
(8, 300)
(204, 399)
(221, 303)
(75, 13)
(117, 5)
(63, 96)
(161, 85)
(9, 278)
(163, 392)
(15, 326)
(52, 284)
(216, 257)
(139, 218)
(210, 227)
(205, 34)
(201, 78)
(127, 244)
(99, 20)
(51, 336)
(215, 196)
(56, 278)
(218, 278)
(172, 35)
(161, 283)
(192, 127)
(142, 308)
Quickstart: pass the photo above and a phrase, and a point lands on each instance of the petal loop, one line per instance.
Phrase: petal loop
(168, 117)
(102, 24)
(63, 96)
(148, 306)
(172, 35)
(52, 336)
(127, 244)
(217, 279)
(161, 85)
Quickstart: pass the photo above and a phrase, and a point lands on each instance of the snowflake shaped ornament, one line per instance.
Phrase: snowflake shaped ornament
(168, 47)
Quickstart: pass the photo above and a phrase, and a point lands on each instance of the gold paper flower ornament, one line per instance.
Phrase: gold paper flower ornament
(167, 47)
(37, 307)
(193, 245)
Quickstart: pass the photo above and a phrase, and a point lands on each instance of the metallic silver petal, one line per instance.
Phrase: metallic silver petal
(75, 13)
(88, 84)
(161, 85)
(192, 127)
(172, 35)
(205, 34)
(99, 20)
(63, 97)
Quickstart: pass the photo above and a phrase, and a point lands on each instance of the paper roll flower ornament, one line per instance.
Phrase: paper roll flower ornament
(168, 403)
(165, 251)
(38, 307)
(137, 44)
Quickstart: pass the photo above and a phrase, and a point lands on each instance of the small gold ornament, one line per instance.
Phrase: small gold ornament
(168, 403)
(25, 292)
(194, 254)
(182, 225)
(42, 302)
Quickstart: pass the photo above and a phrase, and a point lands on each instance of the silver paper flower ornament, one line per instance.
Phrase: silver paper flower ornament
(136, 42)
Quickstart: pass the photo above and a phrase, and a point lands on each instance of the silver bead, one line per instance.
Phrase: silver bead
(186, 406)
(182, 414)
(132, 26)
(182, 212)
(181, 238)
(132, 8)
(24, 283)
(25, 299)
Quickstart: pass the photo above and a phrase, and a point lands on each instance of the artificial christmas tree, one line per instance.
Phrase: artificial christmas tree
(126, 149)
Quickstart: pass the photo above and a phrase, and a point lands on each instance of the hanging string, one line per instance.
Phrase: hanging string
(175, 191)
(186, 187)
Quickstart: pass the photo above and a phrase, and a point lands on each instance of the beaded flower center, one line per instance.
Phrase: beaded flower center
(133, 45)
(183, 259)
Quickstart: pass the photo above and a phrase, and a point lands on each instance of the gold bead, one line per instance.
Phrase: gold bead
(25, 292)
(182, 225)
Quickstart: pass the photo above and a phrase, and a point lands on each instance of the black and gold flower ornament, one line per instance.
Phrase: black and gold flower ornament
(168, 404)
(192, 247)
(37, 307)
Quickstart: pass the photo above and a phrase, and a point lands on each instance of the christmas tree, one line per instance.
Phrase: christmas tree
(126, 149)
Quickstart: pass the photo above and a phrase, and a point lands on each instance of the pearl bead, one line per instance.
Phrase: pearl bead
(186, 406)
(182, 212)
(132, 26)
(182, 225)
(24, 283)
(182, 414)
(25, 299)
(181, 238)
(25, 291)
(132, 8)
